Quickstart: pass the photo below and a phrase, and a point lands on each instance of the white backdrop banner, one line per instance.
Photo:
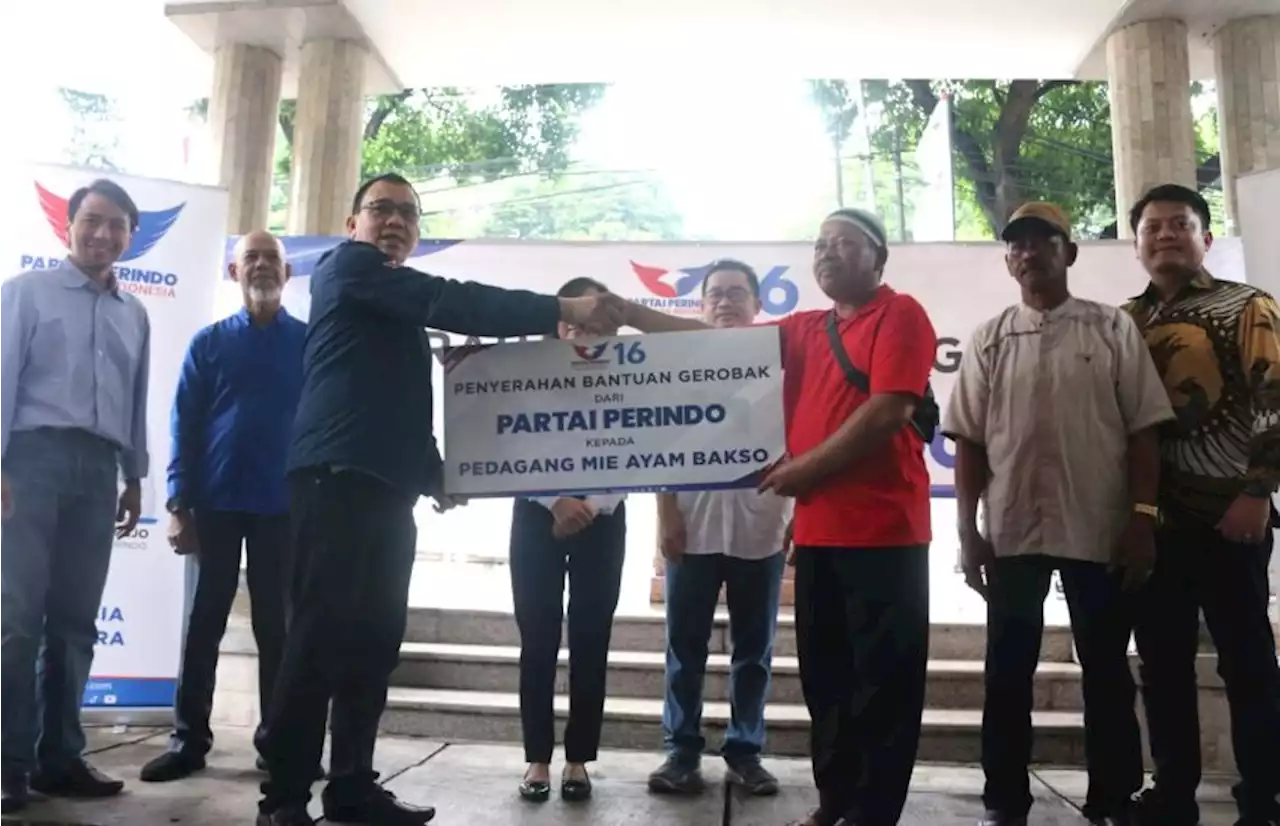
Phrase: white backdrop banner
(172, 266)
(687, 411)
(960, 285)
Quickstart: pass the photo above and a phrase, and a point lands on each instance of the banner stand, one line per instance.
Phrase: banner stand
(172, 266)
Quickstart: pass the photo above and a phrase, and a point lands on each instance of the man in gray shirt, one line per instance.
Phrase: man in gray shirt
(74, 401)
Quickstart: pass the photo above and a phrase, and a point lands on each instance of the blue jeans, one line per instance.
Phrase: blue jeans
(57, 546)
(752, 590)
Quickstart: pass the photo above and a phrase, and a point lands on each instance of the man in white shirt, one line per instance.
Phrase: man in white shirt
(731, 538)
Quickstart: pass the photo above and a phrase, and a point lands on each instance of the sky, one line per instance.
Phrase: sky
(735, 158)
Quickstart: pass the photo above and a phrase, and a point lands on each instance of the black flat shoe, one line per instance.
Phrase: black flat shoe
(575, 789)
(535, 791)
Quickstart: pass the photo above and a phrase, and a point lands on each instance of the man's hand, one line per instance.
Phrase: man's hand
(789, 541)
(444, 502)
(1135, 552)
(600, 314)
(790, 477)
(1247, 520)
(672, 538)
(976, 557)
(182, 534)
(130, 508)
(571, 515)
(6, 497)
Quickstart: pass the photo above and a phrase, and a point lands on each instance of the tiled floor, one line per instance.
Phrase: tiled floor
(475, 783)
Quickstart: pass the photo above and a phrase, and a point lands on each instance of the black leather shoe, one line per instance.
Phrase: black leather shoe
(172, 765)
(77, 780)
(373, 806)
(285, 816)
(575, 789)
(16, 793)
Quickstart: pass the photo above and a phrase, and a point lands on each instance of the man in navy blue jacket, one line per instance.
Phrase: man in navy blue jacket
(363, 452)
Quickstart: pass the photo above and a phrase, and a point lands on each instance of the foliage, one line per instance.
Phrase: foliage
(94, 139)
(1014, 141)
(839, 107)
(590, 206)
(426, 132)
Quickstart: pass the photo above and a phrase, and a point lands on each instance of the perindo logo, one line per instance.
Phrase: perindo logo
(592, 353)
(679, 291)
(590, 356)
(606, 353)
(152, 226)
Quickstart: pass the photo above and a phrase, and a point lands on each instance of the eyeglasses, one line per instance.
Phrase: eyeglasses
(385, 209)
(736, 295)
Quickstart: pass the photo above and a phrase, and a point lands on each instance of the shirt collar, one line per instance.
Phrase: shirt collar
(1203, 280)
(882, 294)
(1064, 310)
(281, 315)
(74, 278)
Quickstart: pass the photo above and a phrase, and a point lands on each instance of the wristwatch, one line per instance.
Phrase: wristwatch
(174, 505)
(1147, 510)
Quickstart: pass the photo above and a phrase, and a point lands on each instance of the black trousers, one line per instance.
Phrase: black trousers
(354, 544)
(221, 535)
(862, 631)
(592, 559)
(1101, 621)
(1197, 568)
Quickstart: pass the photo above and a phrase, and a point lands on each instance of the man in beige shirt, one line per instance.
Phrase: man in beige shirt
(1054, 417)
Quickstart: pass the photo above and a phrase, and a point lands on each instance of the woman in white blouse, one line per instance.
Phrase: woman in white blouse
(585, 538)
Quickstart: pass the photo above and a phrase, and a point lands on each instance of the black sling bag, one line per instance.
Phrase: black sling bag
(927, 415)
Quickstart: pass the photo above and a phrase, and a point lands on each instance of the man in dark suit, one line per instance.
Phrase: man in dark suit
(363, 452)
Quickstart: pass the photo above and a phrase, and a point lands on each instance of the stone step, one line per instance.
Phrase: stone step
(949, 736)
(647, 632)
(952, 684)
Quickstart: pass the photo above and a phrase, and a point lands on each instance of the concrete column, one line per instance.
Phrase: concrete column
(1152, 132)
(242, 121)
(327, 135)
(1247, 59)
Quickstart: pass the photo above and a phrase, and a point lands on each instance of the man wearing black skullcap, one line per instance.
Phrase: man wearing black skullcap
(859, 410)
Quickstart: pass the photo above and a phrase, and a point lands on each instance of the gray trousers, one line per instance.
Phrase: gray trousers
(57, 546)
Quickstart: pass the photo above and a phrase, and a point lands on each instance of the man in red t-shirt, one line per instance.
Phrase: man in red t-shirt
(856, 470)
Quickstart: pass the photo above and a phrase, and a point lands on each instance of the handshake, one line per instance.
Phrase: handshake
(598, 314)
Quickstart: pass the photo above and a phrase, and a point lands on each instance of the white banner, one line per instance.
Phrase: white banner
(960, 285)
(629, 413)
(172, 266)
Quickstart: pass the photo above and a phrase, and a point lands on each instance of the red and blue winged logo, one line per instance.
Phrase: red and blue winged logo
(152, 226)
(594, 352)
(653, 279)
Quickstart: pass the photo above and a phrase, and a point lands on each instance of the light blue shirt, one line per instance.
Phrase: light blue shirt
(74, 354)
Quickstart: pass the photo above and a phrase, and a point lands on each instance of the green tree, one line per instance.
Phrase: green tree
(587, 206)
(95, 138)
(460, 134)
(839, 106)
(1017, 141)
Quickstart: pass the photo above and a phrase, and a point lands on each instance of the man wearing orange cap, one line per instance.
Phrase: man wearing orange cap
(1066, 487)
